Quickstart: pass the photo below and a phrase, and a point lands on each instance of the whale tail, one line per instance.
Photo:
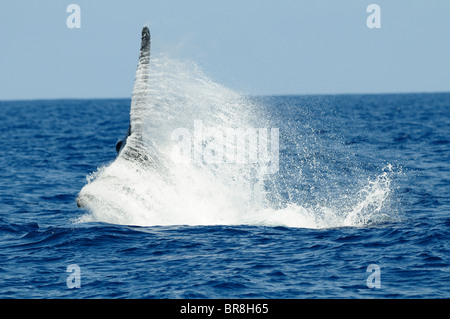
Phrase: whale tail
(129, 147)
(132, 146)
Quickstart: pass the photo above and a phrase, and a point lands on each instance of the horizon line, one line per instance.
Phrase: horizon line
(249, 95)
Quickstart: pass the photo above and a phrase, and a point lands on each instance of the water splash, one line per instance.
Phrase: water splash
(172, 192)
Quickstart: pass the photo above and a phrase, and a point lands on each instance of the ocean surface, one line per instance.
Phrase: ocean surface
(358, 207)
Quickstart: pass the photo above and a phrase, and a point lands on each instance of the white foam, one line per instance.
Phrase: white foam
(169, 192)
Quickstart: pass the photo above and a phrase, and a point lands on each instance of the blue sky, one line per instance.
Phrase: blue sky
(252, 46)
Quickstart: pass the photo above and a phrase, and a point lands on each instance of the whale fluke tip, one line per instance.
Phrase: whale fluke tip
(145, 44)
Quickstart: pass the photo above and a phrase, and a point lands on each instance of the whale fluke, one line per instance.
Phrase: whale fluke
(139, 99)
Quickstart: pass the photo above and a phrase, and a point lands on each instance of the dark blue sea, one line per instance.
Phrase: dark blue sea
(359, 208)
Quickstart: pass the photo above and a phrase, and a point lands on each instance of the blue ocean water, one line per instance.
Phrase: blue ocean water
(383, 158)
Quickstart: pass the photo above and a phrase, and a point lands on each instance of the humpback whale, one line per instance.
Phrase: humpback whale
(138, 103)
(145, 184)
(131, 146)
